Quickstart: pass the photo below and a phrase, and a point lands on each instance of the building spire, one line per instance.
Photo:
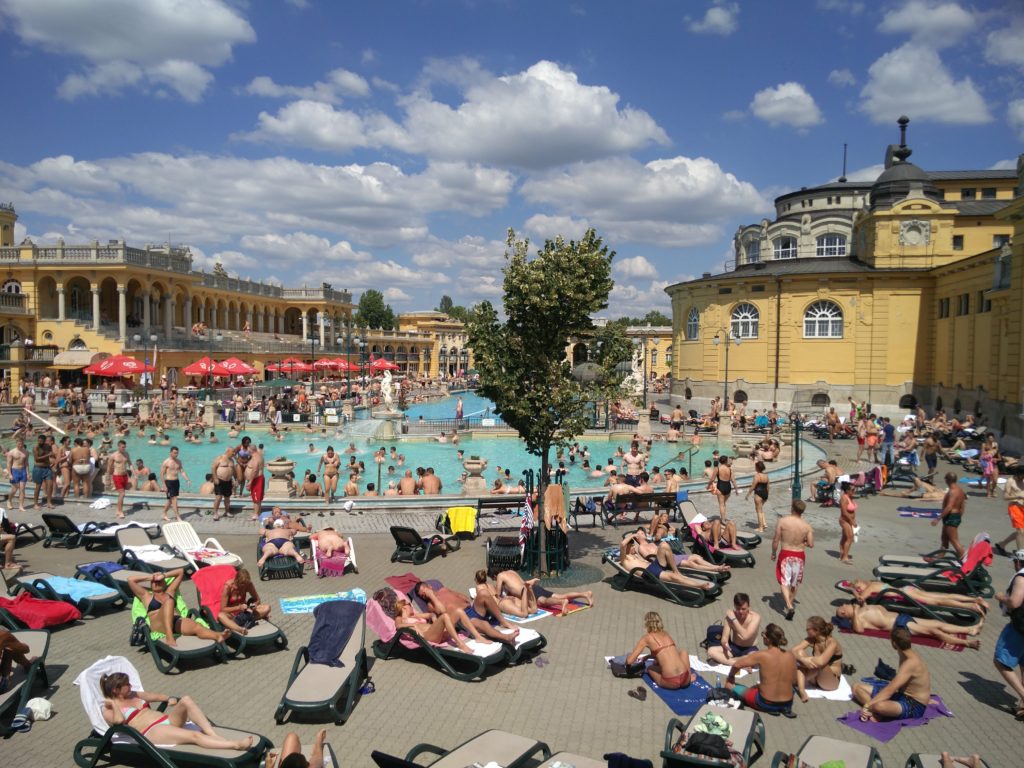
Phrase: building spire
(843, 177)
(903, 151)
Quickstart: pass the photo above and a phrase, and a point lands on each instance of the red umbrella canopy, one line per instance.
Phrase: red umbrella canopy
(290, 361)
(118, 365)
(377, 366)
(204, 367)
(326, 363)
(291, 365)
(342, 364)
(235, 366)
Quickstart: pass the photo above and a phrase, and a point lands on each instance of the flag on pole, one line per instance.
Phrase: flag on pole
(526, 526)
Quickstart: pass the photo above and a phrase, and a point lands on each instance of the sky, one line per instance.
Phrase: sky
(392, 145)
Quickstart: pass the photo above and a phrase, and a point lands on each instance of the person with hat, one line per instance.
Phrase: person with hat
(1009, 654)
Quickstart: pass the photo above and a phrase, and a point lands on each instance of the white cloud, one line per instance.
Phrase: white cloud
(1015, 117)
(233, 261)
(302, 246)
(786, 104)
(339, 82)
(542, 227)
(913, 80)
(20, 232)
(938, 24)
(298, 3)
(719, 19)
(674, 202)
(842, 78)
(1009, 164)
(1005, 46)
(396, 295)
(629, 300)
(472, 252)
(368, 56)
(380, 275)
(634, 266)
(868, 173)
(318, 125)
(118, 41)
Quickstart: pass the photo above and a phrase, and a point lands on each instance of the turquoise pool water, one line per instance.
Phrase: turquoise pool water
(472, 405)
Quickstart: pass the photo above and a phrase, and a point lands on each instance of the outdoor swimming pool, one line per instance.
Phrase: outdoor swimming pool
(472, 405)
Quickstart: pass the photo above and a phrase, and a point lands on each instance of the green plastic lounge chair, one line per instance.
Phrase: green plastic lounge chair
(123, 745)
(747, 737)
(918, 760)
(188, 647)
(505, 749)
(576, 761)
(209, 583)
(317, 689)
(46, 586)
(642, 580)
(139, 553)
(688, 511)
(21, 683)
(62, 531)
(898, 601)
(278, 566)
(37, 532)
(945, 578)
(737, 557)
(821, 749)
(410, 547)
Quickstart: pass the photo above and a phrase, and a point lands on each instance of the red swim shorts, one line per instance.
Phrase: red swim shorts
(1016, 512)
(121, 482)
(256, 487)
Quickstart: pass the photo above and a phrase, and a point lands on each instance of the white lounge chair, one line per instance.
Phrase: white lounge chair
(140, 554)
(185, 542)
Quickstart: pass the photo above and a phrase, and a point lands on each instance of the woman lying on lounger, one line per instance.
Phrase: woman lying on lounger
(123, 706)
(671, 667)
(291, 753)
(476, 624)
(819, 658)
(433, 629)
(863, 590)
(648, 549)
(663, 568)
(160, 601)
(521, 598)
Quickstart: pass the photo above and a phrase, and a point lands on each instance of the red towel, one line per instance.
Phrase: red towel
(402, 584)
(38, 614)
(210, 582)
(932, 642)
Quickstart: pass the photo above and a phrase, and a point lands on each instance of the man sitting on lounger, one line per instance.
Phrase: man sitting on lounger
(649, 549)
(921, 490)
(906, 695)
(663, 568)
(476, 624)
(716, 531)
(865, 617)
(863, 590)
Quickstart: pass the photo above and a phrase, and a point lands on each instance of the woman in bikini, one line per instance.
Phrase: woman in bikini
(330, 462)
(847, 522)
(160, 601)
(722, 483)
(123, 706)
(671, 667)
(759, 489)
(819, 658)
(433, 629)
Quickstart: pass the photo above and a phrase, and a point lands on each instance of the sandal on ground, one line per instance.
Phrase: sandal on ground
(639, 693)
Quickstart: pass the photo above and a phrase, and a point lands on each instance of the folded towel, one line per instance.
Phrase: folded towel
(334, 623)
(76, 589)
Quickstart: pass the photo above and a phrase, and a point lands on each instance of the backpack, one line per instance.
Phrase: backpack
(139, 632)
(713, 636)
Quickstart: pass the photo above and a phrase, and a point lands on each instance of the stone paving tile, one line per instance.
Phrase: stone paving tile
(573, 703)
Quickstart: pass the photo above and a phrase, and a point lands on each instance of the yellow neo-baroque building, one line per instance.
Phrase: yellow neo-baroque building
(449, 355)
(897, 292)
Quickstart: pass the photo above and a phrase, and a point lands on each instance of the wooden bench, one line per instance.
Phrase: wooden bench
(487, 506)
(643, 502)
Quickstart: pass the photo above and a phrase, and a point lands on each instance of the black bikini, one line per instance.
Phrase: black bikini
(761, 490)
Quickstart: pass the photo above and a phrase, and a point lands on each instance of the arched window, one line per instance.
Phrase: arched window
(688, 394)
(753, 251)
(739, 396)
(785, 247)
(823, 320)
(832, 245)
(77, 343)
(908, 402)
(692, 324)
(668, 356)
(820, 400)
(11, 286)
(745, 319)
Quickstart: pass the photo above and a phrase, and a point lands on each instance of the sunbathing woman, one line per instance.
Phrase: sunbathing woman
(291, 753)
(819, 658)
(474, 623)
(671, 667)
(863, 590)
(439, 629)
(278, 541)
(663, 568)
(240, 606)
(160, 601)
(651, 549)
(123, 706)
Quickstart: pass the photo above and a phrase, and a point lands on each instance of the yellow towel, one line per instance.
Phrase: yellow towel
(462, 519)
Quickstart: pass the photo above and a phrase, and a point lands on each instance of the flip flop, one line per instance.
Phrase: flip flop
(639, 693)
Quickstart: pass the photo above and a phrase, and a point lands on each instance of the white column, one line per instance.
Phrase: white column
(280, 324)
(305, 326)
(333, 331)
(60, 302)
(146, 299)
(168, 316)
(248, 319)
(238, 319)
(224, 325)
(122, 313)
(95, 308)
(322, 318)
(188, 313)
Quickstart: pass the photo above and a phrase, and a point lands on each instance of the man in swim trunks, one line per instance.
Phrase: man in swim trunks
(952, 515)
(17, 470)
(42, 471)
(877, 617)
(170, 470)
(921, 489)
(256, 480)
(904, 697)
(777, 674)
(663, 568)
(633, 463)
(118, 468)
(278, 540)
(794, 535)
(739, 632)
(223, 469)
(864, 590)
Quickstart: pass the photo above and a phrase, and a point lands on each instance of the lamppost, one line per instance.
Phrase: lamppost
(794, 419)
(153, 339)
(644, 338)
(727, 336)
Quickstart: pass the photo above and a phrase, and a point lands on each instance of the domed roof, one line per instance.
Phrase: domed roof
(901, 177)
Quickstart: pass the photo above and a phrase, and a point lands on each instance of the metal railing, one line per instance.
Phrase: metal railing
(33, 354)
(14, 303)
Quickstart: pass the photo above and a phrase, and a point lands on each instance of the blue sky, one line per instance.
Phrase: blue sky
(391, 145)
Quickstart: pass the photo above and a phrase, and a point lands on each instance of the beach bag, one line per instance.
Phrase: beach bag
(708, 745)
(139, 631)
(245, 619)
(620, 669)
(713, 636)
(883, 671)
(713, 724)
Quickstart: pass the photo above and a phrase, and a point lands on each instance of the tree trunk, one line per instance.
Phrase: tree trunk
(542, 532)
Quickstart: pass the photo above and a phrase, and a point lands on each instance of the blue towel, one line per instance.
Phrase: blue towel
(334, 623)
(77, 589)
(683, 701)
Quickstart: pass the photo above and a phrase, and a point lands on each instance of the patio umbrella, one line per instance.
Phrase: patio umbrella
(291, 365)
(118, 365)
(325, 363)
(380, 365)
(205, 367)
(344, 365)
(235, 366)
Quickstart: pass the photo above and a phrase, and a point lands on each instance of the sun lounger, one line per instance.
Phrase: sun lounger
(185, 542)
(821, 749)
(122, 744)
(336, 564)
(278, 566)
(453, 662)
(37, 532)
(29, 612)
(720, 555)
(917, 760)
(576, 761)
(643, 580)
(188, 647)
(86, 596)
(113, 575)
(140, 554)
(498, 747)
(687, 514)
(21, 683)
(317, 688)
(64, 532)
(747, 737)
(209, 583)
(410, 547)
(945, 574)
(898, 601)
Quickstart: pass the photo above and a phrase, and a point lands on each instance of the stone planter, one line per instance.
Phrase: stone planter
(475, 484)
(279, 469)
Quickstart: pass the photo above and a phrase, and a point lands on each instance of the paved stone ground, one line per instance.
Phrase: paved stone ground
(573, 703)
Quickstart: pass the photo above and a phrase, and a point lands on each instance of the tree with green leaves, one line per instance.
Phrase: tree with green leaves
(453, 310)
(372, 312)
(522, 360)
(654, 317)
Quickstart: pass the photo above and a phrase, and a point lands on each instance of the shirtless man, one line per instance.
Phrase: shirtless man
(831, 474)
(663, 568)
(352, 486)
(207, 487)
(645, 547)
(952, 515)
(832, 420)
(171, 471)
(407, 485)
(42, 471)
(257, 481)
(739, 632)
(118, 468)
(17, 471)
(633, 464)
(330, 463)
(906, 695)
(863, 590)
(862, 617)
(461, 611)
(223, 469)
(310, 487)
(794, 535)
(431, 483)
(278, 540)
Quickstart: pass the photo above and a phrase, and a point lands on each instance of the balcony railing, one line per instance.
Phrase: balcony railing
(13, 304)
(32, 354)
